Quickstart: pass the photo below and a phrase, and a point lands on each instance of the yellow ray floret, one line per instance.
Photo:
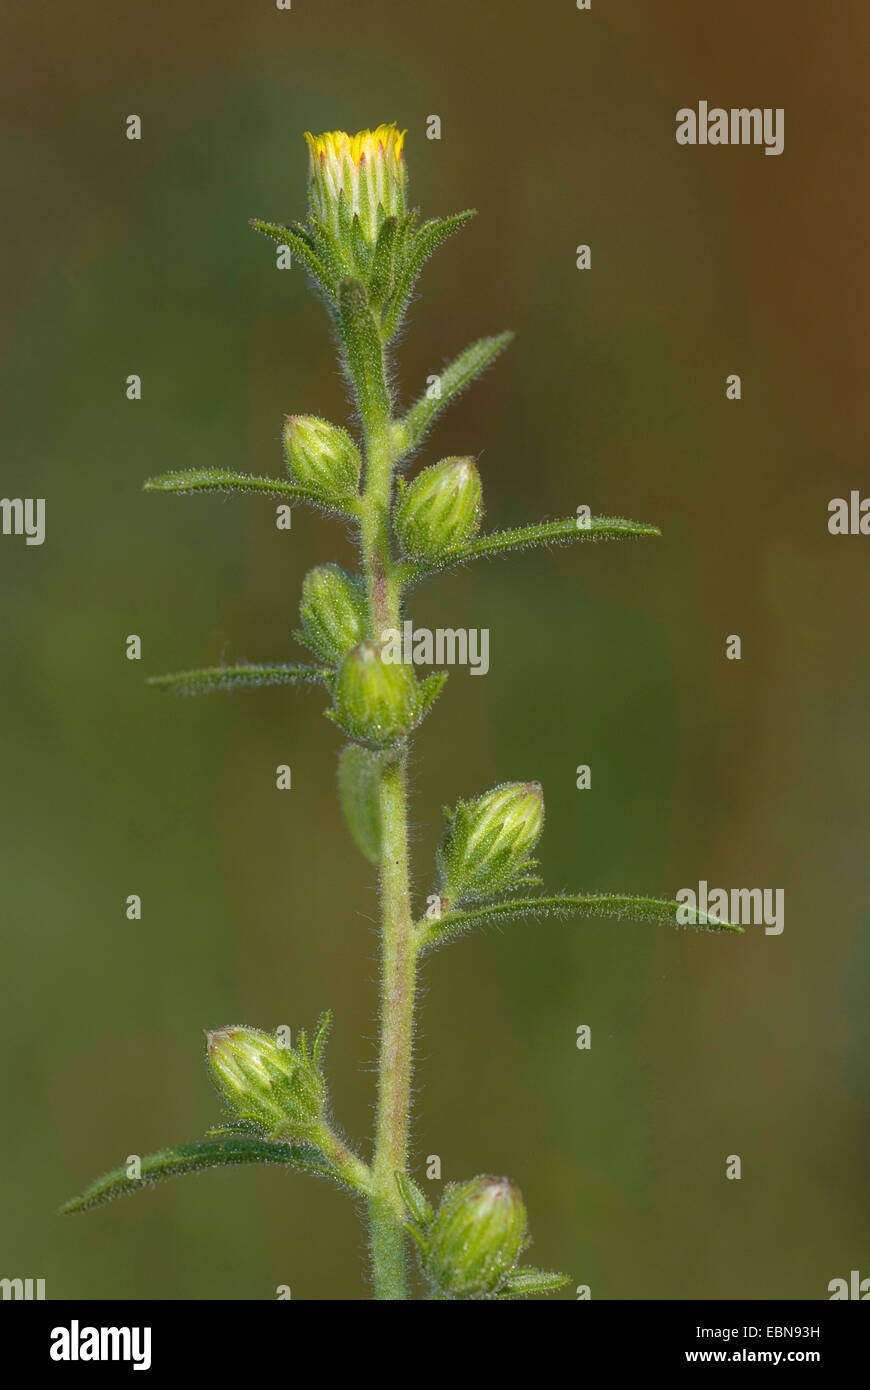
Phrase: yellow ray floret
(385, 140)
(360, 176)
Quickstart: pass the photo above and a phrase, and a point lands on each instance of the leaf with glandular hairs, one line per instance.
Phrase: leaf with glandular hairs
(195, 1158)
(359, 777)
(426, 240)
(418, 1207)
(453, 379)
(543, 533)
(363, 352)
(523, 1282)
(209, 678)
(623, 906)
(300, 246)
(225, 480)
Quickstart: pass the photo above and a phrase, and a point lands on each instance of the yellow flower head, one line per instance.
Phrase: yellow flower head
(359, 175)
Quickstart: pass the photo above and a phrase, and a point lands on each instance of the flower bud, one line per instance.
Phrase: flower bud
(440, 511)
(356, 176)
(476, 1238)
(333, 612)
(321, 456)
(376, 701)
(487, 844)
(270, 1086)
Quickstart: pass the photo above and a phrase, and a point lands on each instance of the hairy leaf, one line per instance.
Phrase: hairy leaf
(453, 379)
(363, 352)
(426, 240)
(523, 1282)
(195, 1158)
(301, 246)
(359, 778)
(543, 533)
(419, 1208)
(225, 480)
(211, 678)
(620, 905)
(381, 277)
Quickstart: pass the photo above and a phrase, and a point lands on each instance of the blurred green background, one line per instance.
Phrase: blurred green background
(124, 257)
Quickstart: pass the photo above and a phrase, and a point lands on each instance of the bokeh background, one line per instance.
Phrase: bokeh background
(122, 257)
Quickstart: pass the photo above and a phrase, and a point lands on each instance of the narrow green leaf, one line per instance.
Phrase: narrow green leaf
(301, 247)
(405, 235)
(426, 240)
(430, 688)
(327, 249)
(233, 1130)
(345, 218)
(359, 779)
(225, 480)
(381, 277)
(523, 1282)
(363, 352)
(321, 1033)
(453, 379)
(543, 533)
(210, 678)
(362, 251)
(195, 1158)
(419, 1209)
(623, 906)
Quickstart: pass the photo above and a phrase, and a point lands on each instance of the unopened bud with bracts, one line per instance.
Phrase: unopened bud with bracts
(275, 1088)
(322, 457)
(333, 612)
(376, 701)
(440, 511)
(476, 1238)
(487, 844)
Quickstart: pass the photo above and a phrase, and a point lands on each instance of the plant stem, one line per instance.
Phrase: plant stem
(398, 948)
(350, 1168)
(398, 971)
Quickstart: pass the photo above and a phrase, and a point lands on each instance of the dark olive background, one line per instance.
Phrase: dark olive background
(124, 257)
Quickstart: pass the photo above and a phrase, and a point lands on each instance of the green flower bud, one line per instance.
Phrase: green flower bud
(440, 511)
(487, 844)
(333, 612)
(376, 701)
(321, 456)
(271, 1086)
(476, 1238)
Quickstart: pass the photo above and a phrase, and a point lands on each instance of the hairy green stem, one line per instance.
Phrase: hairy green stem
(398, 972)
(351, 1169)
(398, 946)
